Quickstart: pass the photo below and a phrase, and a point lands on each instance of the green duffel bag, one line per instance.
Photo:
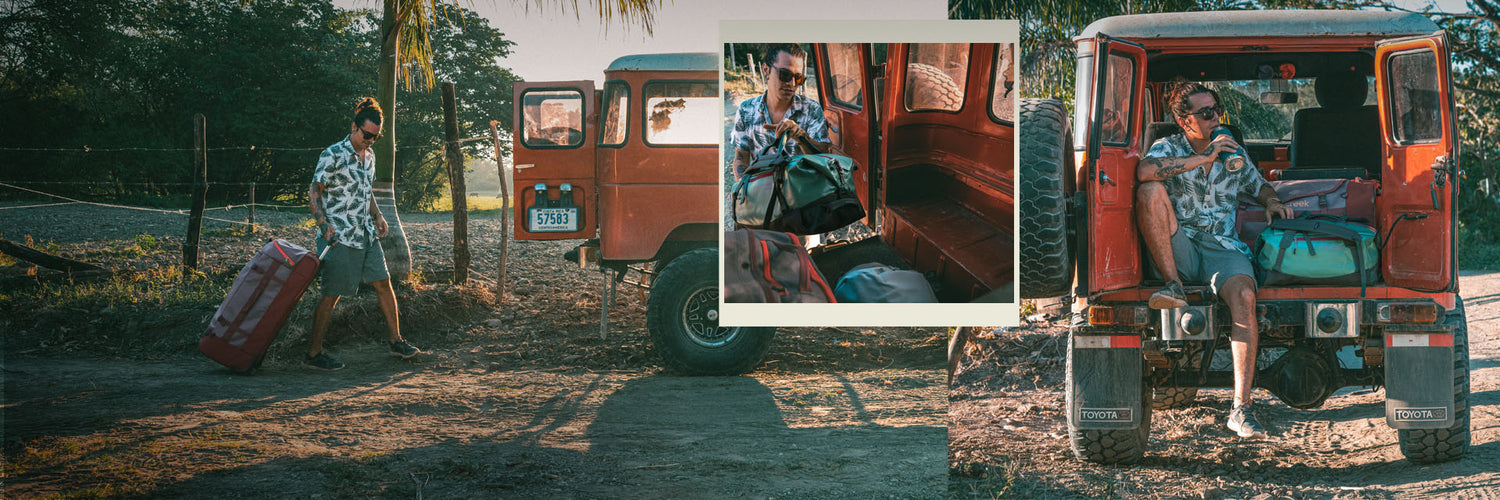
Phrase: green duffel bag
(802, 194)
(1318, 250)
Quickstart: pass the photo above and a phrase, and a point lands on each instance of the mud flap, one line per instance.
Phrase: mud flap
(1104, 390)
(1419, 379)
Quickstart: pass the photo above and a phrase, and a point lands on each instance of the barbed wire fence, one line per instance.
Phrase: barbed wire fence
(46, 189)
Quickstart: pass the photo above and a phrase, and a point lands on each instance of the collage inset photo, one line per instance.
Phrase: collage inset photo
(872, 176)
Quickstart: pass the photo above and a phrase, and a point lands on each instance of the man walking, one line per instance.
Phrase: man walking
(1185, 207)
(349, 222)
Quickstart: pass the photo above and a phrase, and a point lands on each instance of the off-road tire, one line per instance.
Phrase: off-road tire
(682, 307)
(1046, 255)
(931, 88)
(1108, 446)
(1171, 398)
(1443, 445)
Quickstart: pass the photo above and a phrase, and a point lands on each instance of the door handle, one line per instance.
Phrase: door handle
(525, 166)
(1441, 169)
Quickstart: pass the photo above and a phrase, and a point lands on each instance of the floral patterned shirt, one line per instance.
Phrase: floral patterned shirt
(749, 136)
(346, 180)
(1205, 199)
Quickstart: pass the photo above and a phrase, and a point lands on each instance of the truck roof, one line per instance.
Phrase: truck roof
(1261, 23)
(681, 61)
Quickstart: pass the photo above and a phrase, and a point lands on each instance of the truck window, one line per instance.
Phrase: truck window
(681, 113)
(552, 119)
(844, 75)
(615, 120)
(1415, 101)
(1118, 84)
(936, 74)
(1002, 87)
(1268, 122)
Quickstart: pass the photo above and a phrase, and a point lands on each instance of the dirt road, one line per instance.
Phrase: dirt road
(520, 399)
(1008, 433)
(441, 428)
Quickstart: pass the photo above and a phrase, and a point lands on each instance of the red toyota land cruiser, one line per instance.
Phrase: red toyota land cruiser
(1404, 331)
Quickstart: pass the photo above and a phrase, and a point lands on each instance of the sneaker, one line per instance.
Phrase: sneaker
(1242, 422)
(323, 362)
(1169, 297)
(403, 350)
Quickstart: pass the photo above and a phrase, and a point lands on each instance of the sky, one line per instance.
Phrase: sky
(551, 45)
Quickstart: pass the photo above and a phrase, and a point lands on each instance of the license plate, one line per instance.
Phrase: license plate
(552, 220)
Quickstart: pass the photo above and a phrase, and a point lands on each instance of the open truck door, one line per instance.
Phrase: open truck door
(554, 160)
(1419, 171)
(1116, 75)
(846, 85)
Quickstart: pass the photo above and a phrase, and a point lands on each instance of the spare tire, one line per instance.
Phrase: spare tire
(928, 87)
(1046, 149)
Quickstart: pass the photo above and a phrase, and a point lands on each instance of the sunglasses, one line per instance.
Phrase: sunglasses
(1207, 113)
(786, 75)
(368, 136)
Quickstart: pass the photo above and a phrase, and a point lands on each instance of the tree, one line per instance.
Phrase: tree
(132, 73)
(466, 50)
(405, 46)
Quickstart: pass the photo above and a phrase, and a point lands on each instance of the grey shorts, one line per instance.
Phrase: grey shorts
(344, 268)
(1206, 260)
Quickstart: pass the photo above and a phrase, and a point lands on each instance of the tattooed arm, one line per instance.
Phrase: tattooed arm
(1163, 168)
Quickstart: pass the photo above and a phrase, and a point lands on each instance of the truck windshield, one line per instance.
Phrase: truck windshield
(1269, 123)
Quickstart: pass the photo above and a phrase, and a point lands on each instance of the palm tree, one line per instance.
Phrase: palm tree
(1048, 27)
(405, 46)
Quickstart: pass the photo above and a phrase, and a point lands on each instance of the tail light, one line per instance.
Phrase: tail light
(1119, 315)
(1407, 313)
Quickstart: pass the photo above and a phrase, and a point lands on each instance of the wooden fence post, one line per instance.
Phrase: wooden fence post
(200, 191)
(754, 71)
(456, 187)
(504, 215)
(252, 207)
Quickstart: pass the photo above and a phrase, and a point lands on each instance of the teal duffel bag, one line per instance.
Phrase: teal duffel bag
(802, 194)
(1318, 250)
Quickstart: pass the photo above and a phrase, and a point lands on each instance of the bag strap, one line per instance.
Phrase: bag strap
(776, 146)
(778, 195)
(1331, 226)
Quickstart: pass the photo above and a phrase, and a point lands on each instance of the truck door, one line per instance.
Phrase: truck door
(553, 159)
(1116, 72)
(1418, 181)
(846, 88)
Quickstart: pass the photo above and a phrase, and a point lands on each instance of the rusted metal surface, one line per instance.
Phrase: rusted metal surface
(1264, 23)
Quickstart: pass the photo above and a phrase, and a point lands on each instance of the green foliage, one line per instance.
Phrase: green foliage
(146, 242)
(156, 288)
(465, 50)
(132, 73)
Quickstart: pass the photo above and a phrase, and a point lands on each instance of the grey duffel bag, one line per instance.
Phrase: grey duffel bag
(879, 283)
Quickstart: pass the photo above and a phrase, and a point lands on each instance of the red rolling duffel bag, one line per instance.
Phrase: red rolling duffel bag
(258, 304)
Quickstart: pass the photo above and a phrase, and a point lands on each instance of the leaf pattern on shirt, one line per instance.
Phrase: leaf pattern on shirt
(1206, 203)
(748, 134)
(346, 193)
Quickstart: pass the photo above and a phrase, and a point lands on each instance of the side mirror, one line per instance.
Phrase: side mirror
(1278, 97)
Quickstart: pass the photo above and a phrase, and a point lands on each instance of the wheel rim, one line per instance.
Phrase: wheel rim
(700, 319)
